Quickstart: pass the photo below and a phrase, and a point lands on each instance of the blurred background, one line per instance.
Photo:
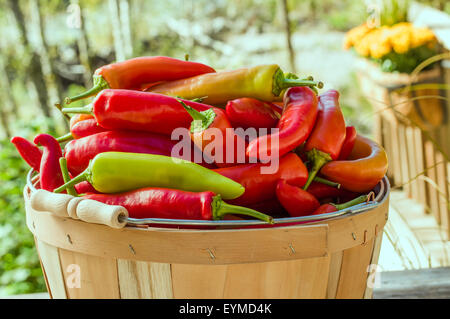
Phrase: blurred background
(50, 49)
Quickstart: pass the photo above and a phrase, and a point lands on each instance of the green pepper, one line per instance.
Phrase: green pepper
(114, 172)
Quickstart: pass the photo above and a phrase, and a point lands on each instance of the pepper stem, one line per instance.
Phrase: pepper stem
(65, 173)
(99, 85)
(65, 138)
(353, 202)
(201, 120)
(59, 107)
(196, 115)
(78, 110)
(283, 81)
(326, 182)
(77, 179)
(287, 83)
(220, 209)
(318, 159)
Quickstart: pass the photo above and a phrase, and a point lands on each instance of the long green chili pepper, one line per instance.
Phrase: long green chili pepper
(113, 172)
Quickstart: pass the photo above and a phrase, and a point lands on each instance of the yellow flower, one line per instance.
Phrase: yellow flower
(399, 37)
(355, 35)
(362, 47)
(377, 42)
(422, 36)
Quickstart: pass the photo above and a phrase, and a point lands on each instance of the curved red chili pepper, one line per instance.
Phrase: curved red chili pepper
(202, 134)
(79, 152)
(174, 204)
(50, 172)
(261, 187)
(138, 111)
(85, 128)
(349, 142)
(328, 135)
(248, 112)
(28, 151)
(85, 187)
(295, 124)
(295, 200)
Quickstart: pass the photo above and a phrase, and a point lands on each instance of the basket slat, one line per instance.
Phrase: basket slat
(353, 277)
(334, 274)
(49, 257)
(97, 276)
(144, 280)
(374, 261)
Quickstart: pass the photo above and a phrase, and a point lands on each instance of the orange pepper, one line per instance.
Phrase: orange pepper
(365, 167)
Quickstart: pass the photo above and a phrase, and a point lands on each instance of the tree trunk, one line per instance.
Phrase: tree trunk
(124, 8)
(287, 28)
(83, 48)
(4, 119)
(34, 66)
(116, 30)
(10, 104)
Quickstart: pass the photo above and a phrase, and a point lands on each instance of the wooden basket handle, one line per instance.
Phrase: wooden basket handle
(87, 210)
(45, 201)
(92, 211)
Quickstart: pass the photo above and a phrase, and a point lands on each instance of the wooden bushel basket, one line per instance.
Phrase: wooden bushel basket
(326, 259)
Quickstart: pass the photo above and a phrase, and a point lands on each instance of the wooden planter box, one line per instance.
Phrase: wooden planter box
(414, 135)
(327, 259)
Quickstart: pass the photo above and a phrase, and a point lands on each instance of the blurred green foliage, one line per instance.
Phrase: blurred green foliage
(406, 62)
(20, 270)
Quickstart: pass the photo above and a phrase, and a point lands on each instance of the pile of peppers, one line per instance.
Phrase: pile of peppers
(120, 148)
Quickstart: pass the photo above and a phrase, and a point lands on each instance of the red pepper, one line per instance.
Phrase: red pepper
(139, 111)
(349, 142)
(50, 172)
(203, 135)
(295, 124)
(86, 127)
(79, 118)
(261, 187)
(79, 152)
(330, 208)
(85, 187)
(137, 73)
(29, 152)
(295, 200)
(328, 135)
(175, 204)
(248, 112)
(364, 168)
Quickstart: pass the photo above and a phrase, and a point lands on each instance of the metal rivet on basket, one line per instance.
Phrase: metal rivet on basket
(292, 248)
(132, 249)
(354, 236)
(365, 238)
(211, 254)
(69, 239)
